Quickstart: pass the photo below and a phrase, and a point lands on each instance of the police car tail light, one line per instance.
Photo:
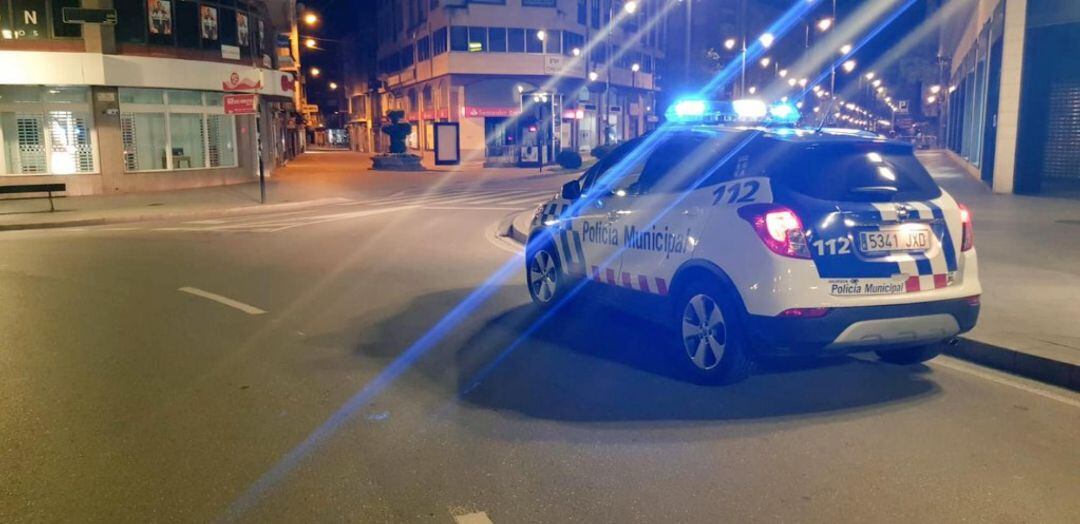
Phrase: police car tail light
(968, 234)
(779, 228)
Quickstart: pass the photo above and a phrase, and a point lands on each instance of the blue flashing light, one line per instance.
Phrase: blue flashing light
(690, 108)
(749, 109)
(783, 113)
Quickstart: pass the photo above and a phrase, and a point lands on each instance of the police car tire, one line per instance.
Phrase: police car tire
(912, 355)
(559, 280)
(735, 364)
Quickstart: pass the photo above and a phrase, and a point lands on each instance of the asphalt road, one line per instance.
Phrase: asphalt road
(359, 363)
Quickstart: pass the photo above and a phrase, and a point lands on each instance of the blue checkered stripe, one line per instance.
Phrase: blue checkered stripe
(567, 241)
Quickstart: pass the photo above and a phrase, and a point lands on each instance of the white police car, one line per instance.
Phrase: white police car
(765, 241)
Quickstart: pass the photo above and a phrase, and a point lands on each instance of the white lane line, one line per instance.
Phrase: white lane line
(246, 308)
(478, 517)
(471, 208)
(992, 376)
(346, 216)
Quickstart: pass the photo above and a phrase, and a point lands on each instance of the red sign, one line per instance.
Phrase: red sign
(240, 104)
(491, 111)
(236, 83)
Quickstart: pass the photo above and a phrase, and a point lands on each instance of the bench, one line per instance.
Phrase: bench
(35, 188)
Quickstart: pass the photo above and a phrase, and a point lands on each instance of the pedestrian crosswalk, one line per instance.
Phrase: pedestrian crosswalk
(506, 200)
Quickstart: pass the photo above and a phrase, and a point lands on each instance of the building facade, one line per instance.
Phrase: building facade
(1012, 106)
(146, 104)
(524, 79)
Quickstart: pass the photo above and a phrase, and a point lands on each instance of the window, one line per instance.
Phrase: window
(553, 41)
(844, 172)
(538, 3)
(227, 27)
(582, 12)
(187, 24)
(60, 29)
(407, 56)
(175, 129)
(572, 41)
(477, 39)
(594, 16)
(130, 15)
(497, 39)
(459, 38)
(439, 43)
(594, 174)
(46, 130)
(515, 40)
(533, 43)
(423, 49)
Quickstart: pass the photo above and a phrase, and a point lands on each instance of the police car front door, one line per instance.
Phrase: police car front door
(597, 223)
(661, 224)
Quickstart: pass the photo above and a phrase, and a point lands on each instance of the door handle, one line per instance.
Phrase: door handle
(613, 216)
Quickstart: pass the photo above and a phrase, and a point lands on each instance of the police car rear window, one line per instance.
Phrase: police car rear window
(856, 172)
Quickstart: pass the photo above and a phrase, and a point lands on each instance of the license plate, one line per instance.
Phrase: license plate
(906, 238)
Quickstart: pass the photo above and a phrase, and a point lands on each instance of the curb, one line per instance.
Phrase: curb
(1055, 372)
(232, 211)
(1026, 365)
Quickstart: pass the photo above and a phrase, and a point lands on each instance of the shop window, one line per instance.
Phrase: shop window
(459, 38)
(46, 130)
(221, 139)
(143, 136)
(533, 43)
(478, 39)
(176, 131)
(515, 40)
(438, 44)
(497, 39)
(186, 134)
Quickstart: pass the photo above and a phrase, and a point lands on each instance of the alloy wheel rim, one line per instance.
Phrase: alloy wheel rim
(704, 332)
(542, 275)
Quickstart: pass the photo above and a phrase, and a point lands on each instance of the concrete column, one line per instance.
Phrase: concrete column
(99, 38)
(110, 143)
(1008, 117)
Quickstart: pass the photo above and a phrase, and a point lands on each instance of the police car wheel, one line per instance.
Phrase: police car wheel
(914, 355)
(543, 276)
(712, 343)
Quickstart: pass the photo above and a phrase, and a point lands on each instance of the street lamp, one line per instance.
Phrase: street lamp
(935, 89)
(782, 73)
(593, 76)
(824, 24)
(630, 6)
(729, 44)
(849, 66)
(311, 19)
(876, 83)
(870, 75)
(315, 71)
(766, 61)
(332, 85)
(931, 99)
(541, 35)
(752, 90)
(845, 49)
(766, 39)
(309, 43)
(635, 67)
(576, 51)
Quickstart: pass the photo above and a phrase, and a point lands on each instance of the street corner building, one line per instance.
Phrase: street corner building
(1012, 106)
(168, 94)
(524, 79)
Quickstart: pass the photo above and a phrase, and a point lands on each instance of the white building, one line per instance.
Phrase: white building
(144, 104)
(480, 62)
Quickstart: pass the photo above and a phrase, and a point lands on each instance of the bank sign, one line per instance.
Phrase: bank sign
(28, 19)
(244, 104)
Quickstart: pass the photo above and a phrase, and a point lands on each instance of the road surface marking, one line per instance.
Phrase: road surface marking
(478, 517)
(471, 208)
(206, 222)
(956, 365)
(246, 308)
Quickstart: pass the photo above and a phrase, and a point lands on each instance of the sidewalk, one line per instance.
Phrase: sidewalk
(1029, 266)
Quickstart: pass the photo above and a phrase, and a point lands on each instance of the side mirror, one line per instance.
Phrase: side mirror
(571, 190)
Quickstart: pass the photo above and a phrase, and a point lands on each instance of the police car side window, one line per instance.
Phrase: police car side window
(676, 165)
(606, 163)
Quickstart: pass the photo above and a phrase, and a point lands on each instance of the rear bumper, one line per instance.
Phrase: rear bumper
(862, 328)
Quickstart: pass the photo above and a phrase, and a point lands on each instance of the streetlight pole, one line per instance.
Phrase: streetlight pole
(689, 29)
